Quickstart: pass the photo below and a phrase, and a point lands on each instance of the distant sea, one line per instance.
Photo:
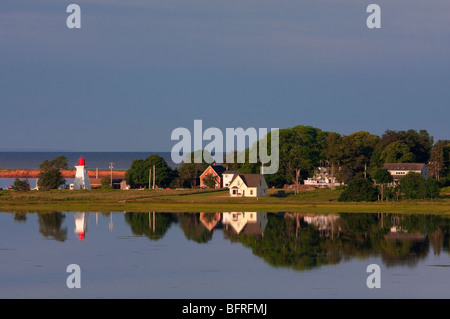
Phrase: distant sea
(100, 160)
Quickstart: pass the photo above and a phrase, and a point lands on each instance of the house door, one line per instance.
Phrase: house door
(243, 192)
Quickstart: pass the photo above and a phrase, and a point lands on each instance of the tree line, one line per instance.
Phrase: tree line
(303, 149)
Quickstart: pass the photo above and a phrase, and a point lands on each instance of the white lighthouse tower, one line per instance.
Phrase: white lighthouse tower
(81, 176)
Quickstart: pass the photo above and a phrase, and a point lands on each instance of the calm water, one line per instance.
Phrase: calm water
(223, 255)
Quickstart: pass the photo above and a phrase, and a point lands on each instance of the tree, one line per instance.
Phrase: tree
(358, 190)
(409, 185)
(59, 162)
(415, 186)
(333, 153)
(300, 149)
(21, 185)
(397, 152)
(439, 159)
(105, 182)
(419, 143)
(139, 173)
(189, 172)
(210, 180)
(50, 176)
(382, 177)
(429, 189)
(50, 179)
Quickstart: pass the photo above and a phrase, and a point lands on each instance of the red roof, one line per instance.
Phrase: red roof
(81, 161)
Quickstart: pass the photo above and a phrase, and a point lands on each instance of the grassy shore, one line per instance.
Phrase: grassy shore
(316, 201)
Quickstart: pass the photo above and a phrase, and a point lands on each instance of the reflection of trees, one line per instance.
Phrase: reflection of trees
(152, 225)
(288, 242)
(20, 216)
(295, 240)
(193, 229)
(399, 239)
(50, 225)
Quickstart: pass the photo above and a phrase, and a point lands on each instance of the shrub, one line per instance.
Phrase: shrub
(21, 185)
(359, 190)
(415, 186)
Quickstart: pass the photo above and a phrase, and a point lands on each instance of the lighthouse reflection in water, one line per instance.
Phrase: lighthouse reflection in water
(81, 222)
(223, 255)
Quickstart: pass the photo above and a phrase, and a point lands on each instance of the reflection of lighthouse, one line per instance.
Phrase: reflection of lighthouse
(81, 176)
(81, 220)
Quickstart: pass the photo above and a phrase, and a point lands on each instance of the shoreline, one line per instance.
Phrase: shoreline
(205, 201)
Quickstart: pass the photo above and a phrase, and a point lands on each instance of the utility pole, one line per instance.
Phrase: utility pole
(154, 176)
(150, 178)
(111, 166)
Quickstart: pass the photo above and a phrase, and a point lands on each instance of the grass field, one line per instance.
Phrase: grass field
(316, 201)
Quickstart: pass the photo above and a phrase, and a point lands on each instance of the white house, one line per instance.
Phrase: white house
(227, 176)
(248, 185)
(398, 170)
(322, 178)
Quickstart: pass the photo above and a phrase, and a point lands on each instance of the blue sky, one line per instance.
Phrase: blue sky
(138, 69)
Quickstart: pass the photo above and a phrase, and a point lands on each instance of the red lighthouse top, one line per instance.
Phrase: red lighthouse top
(81, 161)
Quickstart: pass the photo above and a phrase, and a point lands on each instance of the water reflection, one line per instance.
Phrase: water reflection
(298, 241)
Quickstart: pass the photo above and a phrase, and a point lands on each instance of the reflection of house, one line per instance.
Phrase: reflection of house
(324, 223)
(398, 170)
(322, 178)
(214, 170)
(81, 220)
(396, 233)
(210, 220)
(251, 223)
(248, 185)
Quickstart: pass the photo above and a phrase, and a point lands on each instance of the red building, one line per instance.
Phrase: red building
(216, 171)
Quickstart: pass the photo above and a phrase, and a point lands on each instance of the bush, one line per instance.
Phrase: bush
(359, 190)
(415, 186)
(21, 185)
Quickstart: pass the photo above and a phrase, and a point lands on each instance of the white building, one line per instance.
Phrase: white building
(322, 178)
(398, 170)
(81, 176)
(227, 177)
(248, 185)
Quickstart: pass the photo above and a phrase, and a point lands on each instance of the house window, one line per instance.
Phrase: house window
(251, 192)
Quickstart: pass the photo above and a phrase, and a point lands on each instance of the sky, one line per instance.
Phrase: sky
(138, 69)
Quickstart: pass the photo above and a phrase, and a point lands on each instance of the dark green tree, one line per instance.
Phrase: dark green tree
(21, 185)
(210, 180)
(357, 150)
(59, 162)
(300, 150)
(397, 152)
(415, 186)
(50, 179)
(359, 190)
(139, 173)
(382, 177)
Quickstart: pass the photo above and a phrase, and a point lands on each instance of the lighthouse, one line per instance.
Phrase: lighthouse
(81, 176)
